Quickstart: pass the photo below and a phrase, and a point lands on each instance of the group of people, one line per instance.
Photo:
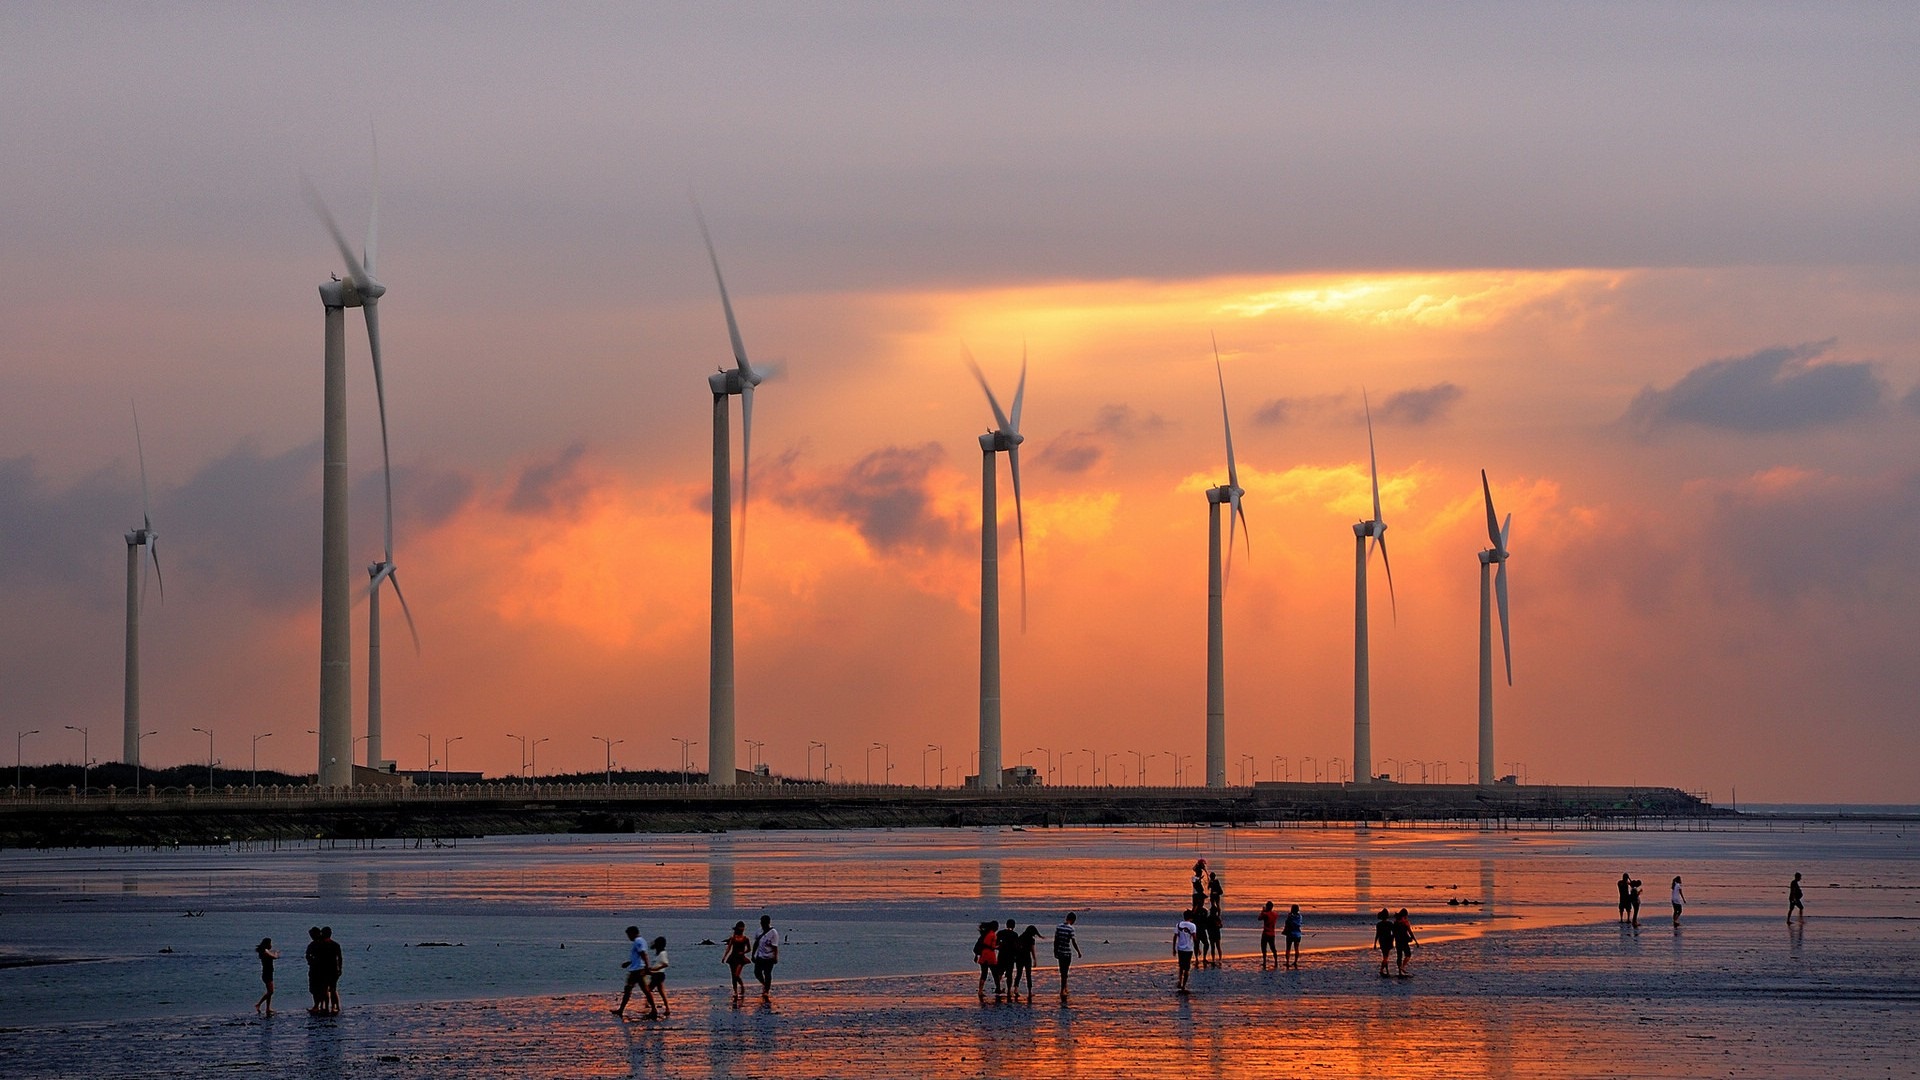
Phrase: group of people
(1005, 954)
(325, 962)
(646, 966)
(1630, 898)
(1293, 931)
(1394, 936)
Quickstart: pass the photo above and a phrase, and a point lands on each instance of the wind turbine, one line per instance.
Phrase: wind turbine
(146, 537)
(1497, 533)
(725, 383)
(381, 572)
(1229, 494)
(1005, 438)
(1366, 534)
(362, 290)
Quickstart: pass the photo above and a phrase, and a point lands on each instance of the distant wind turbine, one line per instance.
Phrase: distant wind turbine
(1497, 534)
(1229, 494)
(146, 537)
(725, 383)
(1366, 534)
(362, 290)
(381, 572)
(1004, 438)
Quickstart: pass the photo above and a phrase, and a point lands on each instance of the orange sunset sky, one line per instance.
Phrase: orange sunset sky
(1652, 268)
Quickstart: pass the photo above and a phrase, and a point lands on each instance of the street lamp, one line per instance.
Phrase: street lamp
(18, 776)
(1339, 769)
(430, 761)
(1096, 767)
(754, 747)
(137, 740)
(685, 745)
(1304, 759)
(86, 759)
(886, 762)
(823, 760)
(208, 732)
(1280, 763)
(523, 751)
(533, 767)
(446, 758)
(1107, 762)
(923, 763)
(1140, 767)
(611, 743)
(256, 756)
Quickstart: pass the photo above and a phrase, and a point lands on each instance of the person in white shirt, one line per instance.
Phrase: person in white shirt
(636, 965)
(657, 975)
(766, 953)
(1679, 901)
(1183, 934)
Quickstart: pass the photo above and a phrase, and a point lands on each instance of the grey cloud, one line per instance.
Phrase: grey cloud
(1279, 412)
(886, 496)
(1072, 453)
(58, 535)
(1124, 420)
(1422, 405)
(1845, 537)
(550, 485)
(253, 519)
(1911, 400)
(1772, 390)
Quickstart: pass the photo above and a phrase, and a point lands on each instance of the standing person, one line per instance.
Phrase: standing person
(735, 957)
(1679, 900)
(1795, 902)
(1199, 885)
(1626, 896)
(1293, 934)
(1633, 901)
(636, 968)
(1403, 939)
(335, 961)
(1183, 934)
(1212, 928)
(1023, 958)
(1269, 919)
(657, 975)
(316, 973)
(1065, 947)
(1215, 890)
(267, 956)
(1383, 937)
(766, 953)
(1006, 945)
(986, 952)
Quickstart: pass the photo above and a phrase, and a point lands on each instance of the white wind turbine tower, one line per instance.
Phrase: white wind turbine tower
(1497, 533)
(1366, 534)
(740, 380)
(146, 537)
(381, 572)
(362, 290)
(1005, 438)
(1228, 493)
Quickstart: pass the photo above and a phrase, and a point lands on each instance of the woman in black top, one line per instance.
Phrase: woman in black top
(267, 956)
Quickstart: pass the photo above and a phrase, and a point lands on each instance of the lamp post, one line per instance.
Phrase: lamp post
(523, 752)
(1140, 767)
(923, 763)
(1278, 764)
(533, 767)
(611, 743)
(256, 756)
(138, 739)
(1304, 759)
(208, 732)
(754, 747)
(1339, 769)
(430, 762)
(86, 759)
(823, 760)
(446, 759)
(1176, 767)
(1107, 762)
(886, 762)
(18, 776)
(685, 745)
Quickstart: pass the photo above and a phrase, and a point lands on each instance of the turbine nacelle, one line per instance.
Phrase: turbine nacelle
(733, 382)
(1001, 442)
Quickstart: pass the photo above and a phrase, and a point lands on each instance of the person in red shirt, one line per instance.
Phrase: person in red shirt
(1269, 919)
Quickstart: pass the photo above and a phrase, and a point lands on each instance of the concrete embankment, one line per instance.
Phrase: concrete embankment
(66, 820)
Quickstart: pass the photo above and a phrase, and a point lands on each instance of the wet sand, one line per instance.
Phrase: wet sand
(1724, 996)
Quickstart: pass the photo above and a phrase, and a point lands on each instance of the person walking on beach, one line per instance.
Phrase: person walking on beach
(1023, 958)
(1679, 900)
(316, 973)
(1065, 947)
(333, 965)
(986, 953)
(1626, 895)
(657, 975)
(1383, 937)
(636, 968)
(735, 957)
(1795, 902)
(766, 953)
(1211, 928)
(1269, 920)
(1633, 901)
(1183, 934)
(1199, 901)
(1403, 939)
(1293, 935)
(267, 956)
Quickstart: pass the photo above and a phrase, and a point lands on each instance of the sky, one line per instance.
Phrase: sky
(1653, 267)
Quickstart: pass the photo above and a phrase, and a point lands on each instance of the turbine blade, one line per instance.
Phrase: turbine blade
(1247, 532)
(355, 272)
(1384, 561)
(393, 576)
(999, 416)
(1506, 642)
(140, 448)
(726, 302)
(1373, 460)
(1019, 393)
(746, 460)
(1493, 522)
(1506, 531)
(372, 244)
(1233, 473)
(1020, 530)
(380, 396)
(153, 552)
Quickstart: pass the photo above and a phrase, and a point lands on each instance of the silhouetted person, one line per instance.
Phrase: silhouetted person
(1269, 923)
(1184, 933)
(1795, 902)
(735, 957)
(657, 975)
(1403, 939)
(334, 962)
(1383, 937)
(1065, 947)
(1006, 945)
(316, 973)
(636, 968)
(1679, 900)
(766, 953)
(1023, 958)
(1294, 932)
(267, 956)
(1626, 896)
(1633, 901)
(986, 952)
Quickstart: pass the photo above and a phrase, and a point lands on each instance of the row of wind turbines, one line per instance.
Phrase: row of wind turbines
(360, 288)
